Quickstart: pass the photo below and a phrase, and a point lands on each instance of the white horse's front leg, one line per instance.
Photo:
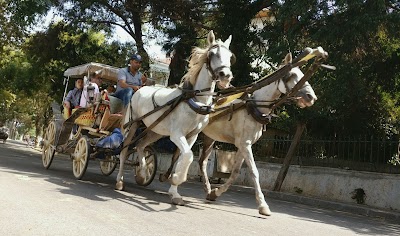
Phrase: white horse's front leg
(122, 157)
(182, 166)
(263, 207)
(234, 174)
(203, 160)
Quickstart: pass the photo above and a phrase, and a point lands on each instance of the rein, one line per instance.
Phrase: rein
(251, 105)
(174, 103)
(188, 95)
(311, 70)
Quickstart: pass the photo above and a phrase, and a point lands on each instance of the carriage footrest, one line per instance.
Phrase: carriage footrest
(102, 153)
(110, 121)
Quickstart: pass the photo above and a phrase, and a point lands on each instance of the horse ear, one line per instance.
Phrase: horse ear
(288, 58)
(228, 41)
(211, 38)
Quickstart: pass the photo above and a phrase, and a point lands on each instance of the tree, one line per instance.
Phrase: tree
(180, 50)
(188, 26)
(362, 38)
(235, 19)
(33, 76)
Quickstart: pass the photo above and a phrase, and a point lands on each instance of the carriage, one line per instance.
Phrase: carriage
(85, 132)
(182, 113)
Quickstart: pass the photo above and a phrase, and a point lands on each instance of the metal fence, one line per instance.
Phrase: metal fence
(363, 153)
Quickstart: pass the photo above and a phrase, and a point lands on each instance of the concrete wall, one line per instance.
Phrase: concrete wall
(381, 190)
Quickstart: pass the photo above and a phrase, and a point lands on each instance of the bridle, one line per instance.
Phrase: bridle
(212, 71)
(285, 81)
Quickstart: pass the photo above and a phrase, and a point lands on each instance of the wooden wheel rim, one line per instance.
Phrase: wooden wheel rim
(108, 166)
(49, 144)
(151, 166)
(81, 156)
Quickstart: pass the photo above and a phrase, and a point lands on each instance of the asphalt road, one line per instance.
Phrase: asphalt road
(35, 201)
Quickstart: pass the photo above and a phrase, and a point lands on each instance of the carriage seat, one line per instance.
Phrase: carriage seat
(112, 117)
(116, 105)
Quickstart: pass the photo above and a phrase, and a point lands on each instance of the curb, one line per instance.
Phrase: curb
(331, 205)
(357, 209)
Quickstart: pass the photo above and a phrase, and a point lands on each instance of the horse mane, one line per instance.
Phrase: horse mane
(196, 61)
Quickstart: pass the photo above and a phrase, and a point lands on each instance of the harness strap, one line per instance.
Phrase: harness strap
(268, 79)
(154, 100)
(260, 117)
(153, 111)
(187, 89)
(251, 105)
(176, 101)
(203, 110)
(228, 110)
(311, 70)
(186, 95)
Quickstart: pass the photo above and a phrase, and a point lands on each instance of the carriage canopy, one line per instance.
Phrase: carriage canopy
(107, 72)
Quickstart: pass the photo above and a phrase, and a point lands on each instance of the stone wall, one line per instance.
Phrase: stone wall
(380, 190)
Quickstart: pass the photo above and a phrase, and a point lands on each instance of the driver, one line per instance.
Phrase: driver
(130, 79)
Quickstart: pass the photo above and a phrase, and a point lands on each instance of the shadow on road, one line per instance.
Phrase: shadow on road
(17, 159)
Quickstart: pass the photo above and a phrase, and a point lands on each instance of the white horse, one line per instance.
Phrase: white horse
(206, 67)
(242, 130)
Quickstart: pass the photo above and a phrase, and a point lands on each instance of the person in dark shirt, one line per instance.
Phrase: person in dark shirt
(130, 79)
(74, 96)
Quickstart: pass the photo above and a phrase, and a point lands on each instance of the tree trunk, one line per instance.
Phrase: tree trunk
(289, 156)
(137, 25)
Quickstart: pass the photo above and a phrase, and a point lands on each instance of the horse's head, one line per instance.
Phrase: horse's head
(220, 59)
(305, 97)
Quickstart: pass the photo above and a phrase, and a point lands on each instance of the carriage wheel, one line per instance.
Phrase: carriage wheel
(108, 166)
(81, 157)
(151, 167)
(49, 147)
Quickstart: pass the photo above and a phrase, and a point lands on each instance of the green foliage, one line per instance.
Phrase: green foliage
(189, 26)
(66, 46)
(180, 44)
(362, 38)
(32, 76)
(235, 19)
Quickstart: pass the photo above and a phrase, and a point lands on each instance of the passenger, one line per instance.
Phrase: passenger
(96, 81)
(73, 97)
(129, 79)
(111, 89)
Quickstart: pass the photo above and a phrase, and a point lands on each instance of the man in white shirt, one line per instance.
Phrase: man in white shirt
(95, 81)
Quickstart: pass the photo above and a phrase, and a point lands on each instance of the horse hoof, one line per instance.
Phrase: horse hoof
(264, 211)
(178, 201)
(212, 196)
(163, 178)
(119, 186)
(139, 179)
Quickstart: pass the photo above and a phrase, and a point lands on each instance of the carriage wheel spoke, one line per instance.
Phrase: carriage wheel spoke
(81, 155)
